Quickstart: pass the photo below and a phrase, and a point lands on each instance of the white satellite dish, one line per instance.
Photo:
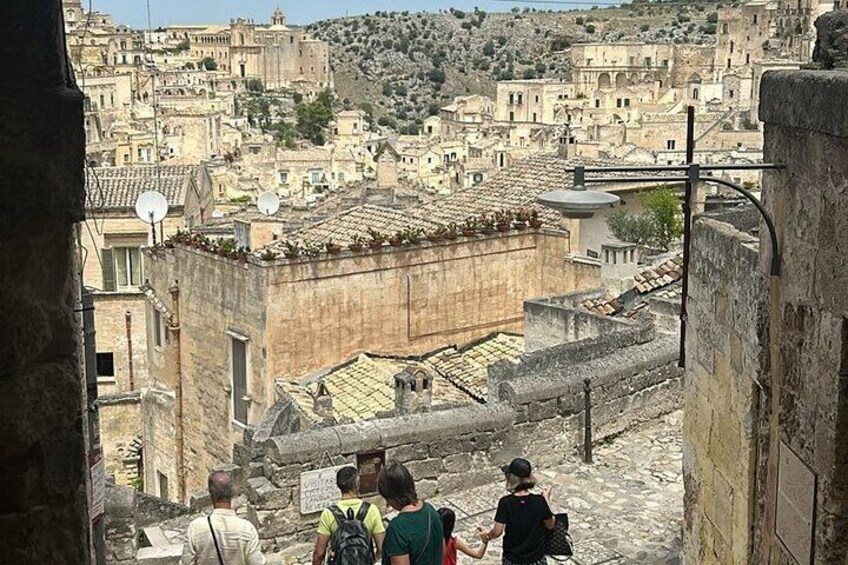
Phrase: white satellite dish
(217, 214)
(151, 207)
(268, 203)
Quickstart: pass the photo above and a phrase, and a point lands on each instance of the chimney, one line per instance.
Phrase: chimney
(563, 148)
(322, 403)
(413, 391)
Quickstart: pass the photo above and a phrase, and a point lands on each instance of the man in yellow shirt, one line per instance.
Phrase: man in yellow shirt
(349, 508)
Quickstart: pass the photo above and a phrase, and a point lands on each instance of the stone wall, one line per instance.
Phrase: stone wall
(805, 127)
(721, 400)
(302, 316)
(110, 323)
(120, 430)
(43, 513)
(540, 413)
(555, 320)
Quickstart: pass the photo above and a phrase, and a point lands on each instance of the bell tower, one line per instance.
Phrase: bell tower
(278, 18)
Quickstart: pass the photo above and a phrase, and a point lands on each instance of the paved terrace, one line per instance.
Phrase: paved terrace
(626, 508)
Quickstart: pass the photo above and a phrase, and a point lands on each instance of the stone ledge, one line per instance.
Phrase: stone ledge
(120, 398)
(391, 432)
(807, 100)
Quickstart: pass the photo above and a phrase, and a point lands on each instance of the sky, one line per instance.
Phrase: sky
(170, 12)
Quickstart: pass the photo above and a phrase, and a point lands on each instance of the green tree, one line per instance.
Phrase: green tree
(208, 63)
(658, 226)
(313, 118)
(254, 85)
(489, 49)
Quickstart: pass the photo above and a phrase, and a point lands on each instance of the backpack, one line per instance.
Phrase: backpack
(351, 543)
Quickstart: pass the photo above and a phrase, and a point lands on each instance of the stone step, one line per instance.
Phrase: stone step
(156, 536)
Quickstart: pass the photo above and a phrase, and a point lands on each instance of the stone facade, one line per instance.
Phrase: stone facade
(297, 317)
(538, 414)
(120, 426)
(765, 433)
(44, 516)
(722, 393)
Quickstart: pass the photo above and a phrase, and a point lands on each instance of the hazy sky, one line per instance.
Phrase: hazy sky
(165, 12)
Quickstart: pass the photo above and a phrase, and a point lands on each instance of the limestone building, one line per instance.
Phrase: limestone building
(278, 55)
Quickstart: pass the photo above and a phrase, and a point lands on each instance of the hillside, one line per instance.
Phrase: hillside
(405, 65)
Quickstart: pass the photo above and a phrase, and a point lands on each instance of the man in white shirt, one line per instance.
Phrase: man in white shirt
(236, 541)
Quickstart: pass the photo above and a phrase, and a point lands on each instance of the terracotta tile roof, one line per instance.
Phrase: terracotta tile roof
(357, 221)
(660, 276)
(603, 306)
(363, 388)
(514, 187)
(467, 368)
(120, 187)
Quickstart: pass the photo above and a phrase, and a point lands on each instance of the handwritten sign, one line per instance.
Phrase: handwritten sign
(98, 485)
(318, 489)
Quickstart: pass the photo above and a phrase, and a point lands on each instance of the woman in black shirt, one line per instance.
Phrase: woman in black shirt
(525, 517)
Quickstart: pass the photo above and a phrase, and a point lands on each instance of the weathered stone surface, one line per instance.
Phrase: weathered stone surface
(411, 452)
(265, 496)
(427, 469)
(458, 463)
(831, 49)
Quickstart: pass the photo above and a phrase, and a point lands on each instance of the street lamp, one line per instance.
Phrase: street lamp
(577, 202)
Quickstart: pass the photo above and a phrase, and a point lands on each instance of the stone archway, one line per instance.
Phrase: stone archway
(604, 80)
(621, 80)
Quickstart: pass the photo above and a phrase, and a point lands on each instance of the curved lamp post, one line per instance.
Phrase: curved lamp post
(579, 203)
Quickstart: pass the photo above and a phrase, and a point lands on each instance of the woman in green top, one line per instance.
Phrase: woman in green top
(414, 536)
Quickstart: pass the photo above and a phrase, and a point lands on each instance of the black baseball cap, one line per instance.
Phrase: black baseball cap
(519, 467)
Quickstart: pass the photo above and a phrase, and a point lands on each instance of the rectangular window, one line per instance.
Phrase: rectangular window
(512, 116)
(534, 116)
(239, 367)
(627, 102)
(632, 61)
(127, 266)
(671, 144)
(341, 177)
(105, 365)
(163, 485)
(157, 328)
(512, 98)
(537, 99)
(597, 103)
(315, 177)
(618, 103)
(520, 98)
(284, 177)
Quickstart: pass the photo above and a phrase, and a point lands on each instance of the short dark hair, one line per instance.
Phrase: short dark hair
(220, 486)
(347, 479)
(397, 486)
(448, 521)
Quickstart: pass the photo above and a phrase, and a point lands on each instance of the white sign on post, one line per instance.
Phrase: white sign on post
(318, 489)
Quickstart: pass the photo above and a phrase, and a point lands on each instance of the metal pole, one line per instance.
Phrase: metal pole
(687, 231)
(587, 421)
(128, 316)
(95, 453)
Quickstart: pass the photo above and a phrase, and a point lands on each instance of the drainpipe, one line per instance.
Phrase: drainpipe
(178, 390)
(128, 316)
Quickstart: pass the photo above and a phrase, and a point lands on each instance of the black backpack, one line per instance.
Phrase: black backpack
(351, 543)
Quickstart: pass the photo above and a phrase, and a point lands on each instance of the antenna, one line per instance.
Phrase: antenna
(268, 203)
(151, 207)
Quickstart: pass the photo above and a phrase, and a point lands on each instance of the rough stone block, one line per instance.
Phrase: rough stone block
(452, 483)
(286, 476)
(427, 469)
(275, 523)
(265, 496)
(426, 488)
(199, 501)
(163, 555)
(542, 410)
(458, 463)
(410, 452)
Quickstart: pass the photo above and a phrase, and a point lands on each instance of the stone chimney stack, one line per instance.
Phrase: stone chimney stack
(322, 403)
(563, 147)
(413, 391)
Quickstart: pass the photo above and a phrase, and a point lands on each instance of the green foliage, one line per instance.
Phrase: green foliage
(254, 85)
(208, 63)
(437, 77)
(579, 21)
(658, 226)
(489, 49)
(712, 18)
(312, 118)
(590, 29)
(644, 28)
(284, 133)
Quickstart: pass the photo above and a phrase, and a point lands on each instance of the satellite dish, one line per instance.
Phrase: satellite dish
(151, 207)
(268, 203)
(217, 214)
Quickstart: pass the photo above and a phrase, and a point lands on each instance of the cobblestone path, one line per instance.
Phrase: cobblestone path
(626, 508)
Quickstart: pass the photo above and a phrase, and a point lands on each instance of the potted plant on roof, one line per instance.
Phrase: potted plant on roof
(451, 231)
(269, 255)
(535, 220)
(469, 228)
(376, 240)
(333, 248)
(436, 235)
(521, 219)
(413, 235)
(398, 239)
(292, 249)
(356, 243)
(487, 224)
(503, 220)
(242, 254)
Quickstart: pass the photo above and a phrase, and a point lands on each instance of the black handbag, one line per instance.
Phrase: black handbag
(559, 546)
